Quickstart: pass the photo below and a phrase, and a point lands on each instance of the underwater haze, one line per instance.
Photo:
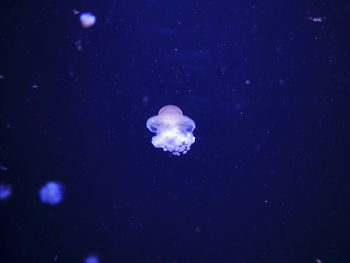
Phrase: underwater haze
(175, 131)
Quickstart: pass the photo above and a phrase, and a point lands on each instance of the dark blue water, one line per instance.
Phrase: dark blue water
(268, 86)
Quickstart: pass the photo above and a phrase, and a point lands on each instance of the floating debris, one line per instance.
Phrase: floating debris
(317, 19)
(78, 45)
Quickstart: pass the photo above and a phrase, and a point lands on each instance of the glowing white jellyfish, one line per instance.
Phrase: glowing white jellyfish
(87, 20)
(173, 130)
(51, 193)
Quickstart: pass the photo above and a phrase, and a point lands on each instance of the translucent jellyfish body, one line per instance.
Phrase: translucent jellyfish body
(173, 130)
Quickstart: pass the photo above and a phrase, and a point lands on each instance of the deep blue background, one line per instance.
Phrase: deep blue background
(269, 90)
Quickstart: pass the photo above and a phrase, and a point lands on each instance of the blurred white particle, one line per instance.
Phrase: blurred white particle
(145, 100)
(75, 12)
(247, 82)
(78, 45)
(2, 76)
(316, 19)
(87, 20)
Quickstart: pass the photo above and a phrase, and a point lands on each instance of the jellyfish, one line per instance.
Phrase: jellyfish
(51, 193)
(87, 20)
(5, 191)
(173, 130)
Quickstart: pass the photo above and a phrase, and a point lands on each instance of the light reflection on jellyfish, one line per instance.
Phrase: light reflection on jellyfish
(173, 130)
(51, 193)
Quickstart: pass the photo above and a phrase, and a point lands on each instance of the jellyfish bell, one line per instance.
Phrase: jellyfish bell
(170, 109)
(173, 130)
(170, 116)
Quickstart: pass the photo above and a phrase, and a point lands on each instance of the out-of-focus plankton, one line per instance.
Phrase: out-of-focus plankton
(5, 191)
(87, 20)
(51, 193)
(173, 130)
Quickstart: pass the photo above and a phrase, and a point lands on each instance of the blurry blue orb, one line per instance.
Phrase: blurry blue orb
(92, 259)
(51, 193)
(5, 191)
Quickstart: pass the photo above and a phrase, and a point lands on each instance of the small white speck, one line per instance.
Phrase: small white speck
(317, 19)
